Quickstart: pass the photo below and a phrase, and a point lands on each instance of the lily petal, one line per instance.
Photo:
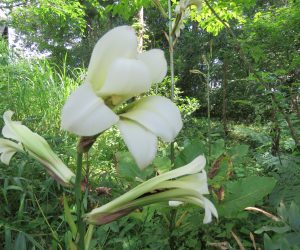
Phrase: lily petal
(6, 156)
(126, 78)
(156, 62)
(141, 143)
(159, 115)
(118, 42)
(85, 114)
(202, 202)
(193, 167)
(7, 150)
(196, 183)
(209, 211)
(8, 131)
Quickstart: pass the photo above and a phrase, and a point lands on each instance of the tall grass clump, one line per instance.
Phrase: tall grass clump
(36, 89)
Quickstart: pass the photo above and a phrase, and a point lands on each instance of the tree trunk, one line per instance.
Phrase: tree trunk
(141, 29)
(224, 87)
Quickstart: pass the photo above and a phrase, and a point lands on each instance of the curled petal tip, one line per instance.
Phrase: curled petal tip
(156, 62)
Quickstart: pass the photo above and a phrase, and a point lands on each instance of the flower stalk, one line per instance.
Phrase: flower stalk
(79, 203)
(173, 212)
(171, 64)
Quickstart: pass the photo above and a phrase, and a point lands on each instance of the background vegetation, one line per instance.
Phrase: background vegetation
(237, 67)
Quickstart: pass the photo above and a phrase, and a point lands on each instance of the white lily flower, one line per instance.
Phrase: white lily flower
(187, 184)
(36, 146)
(116, 73)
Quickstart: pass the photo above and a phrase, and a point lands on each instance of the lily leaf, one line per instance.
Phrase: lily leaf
(69, 218)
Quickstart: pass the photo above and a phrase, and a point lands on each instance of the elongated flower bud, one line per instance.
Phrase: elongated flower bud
(187, 184)
(36, 146)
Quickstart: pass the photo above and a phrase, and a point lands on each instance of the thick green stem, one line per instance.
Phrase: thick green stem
(79, 207)
(208, 113)
(171, 50)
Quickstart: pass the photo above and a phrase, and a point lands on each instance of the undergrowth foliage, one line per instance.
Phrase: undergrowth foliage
(29, 195)
(252, 154)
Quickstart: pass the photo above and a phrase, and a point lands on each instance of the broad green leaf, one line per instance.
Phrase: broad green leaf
(293, 239)
(189, 153)
(238, 152)
(129, 170)
(162, 164)
(294, 217)
(289, 241)
(268, 243)
(114, 227)
(244, 193)
(217, 148)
